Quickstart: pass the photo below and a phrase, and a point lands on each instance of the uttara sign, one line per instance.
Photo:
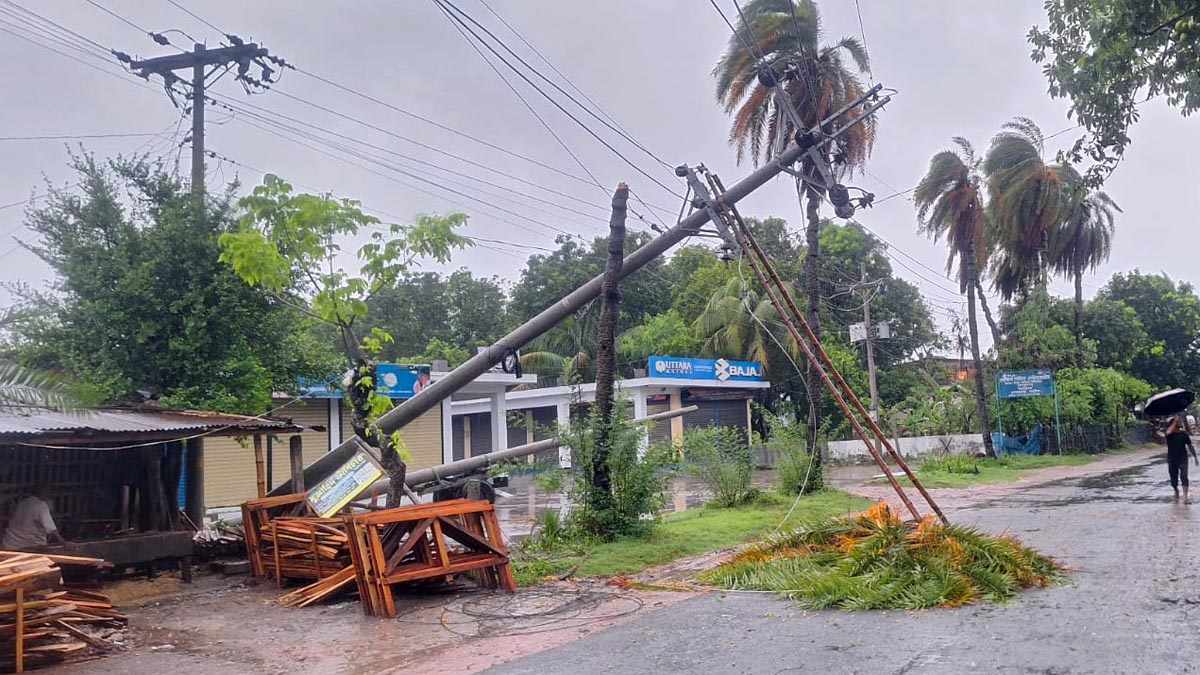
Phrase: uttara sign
(1024, 383)
(719, 370)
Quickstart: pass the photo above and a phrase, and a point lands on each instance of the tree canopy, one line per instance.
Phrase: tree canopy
(1108, 57)
(142, 307)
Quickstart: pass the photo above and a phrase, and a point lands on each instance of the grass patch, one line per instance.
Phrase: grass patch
(957, 471)
(679, 535)
(875, 561)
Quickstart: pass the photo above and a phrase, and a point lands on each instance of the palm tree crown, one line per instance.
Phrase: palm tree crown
(782, 34)
(949, 204)
(1084, 239)
(1029, 199)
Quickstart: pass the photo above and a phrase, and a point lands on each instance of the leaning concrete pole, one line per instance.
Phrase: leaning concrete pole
(479, 364)
(549, 317)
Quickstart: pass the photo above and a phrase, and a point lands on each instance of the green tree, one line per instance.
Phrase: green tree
(1081, 243)
(288, 244)
(1170, 313)
(143, 307)
(665, 334)
(1119, 334)
(1029, 198)
(548, 277)
(785, 34)
(1110, 56)
(950, 204)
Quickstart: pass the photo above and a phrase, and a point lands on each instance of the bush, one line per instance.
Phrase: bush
(798, 474)
(631, 506)
(719, 458)
(964, 464)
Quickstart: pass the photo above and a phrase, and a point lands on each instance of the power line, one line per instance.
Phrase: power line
(552, 83)
(863, 32)
(196, 17)
(376, 160)
(555, 102)
(541, 120)
(59, 137)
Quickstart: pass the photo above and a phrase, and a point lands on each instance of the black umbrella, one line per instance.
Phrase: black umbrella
(1170, 402)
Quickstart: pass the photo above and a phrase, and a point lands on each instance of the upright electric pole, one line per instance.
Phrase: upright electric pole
(198, 127)
(870, 340)
(240, 54)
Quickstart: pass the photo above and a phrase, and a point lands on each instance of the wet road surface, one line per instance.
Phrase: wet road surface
(1131, 603)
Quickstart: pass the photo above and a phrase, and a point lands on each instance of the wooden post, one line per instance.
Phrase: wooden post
(194, 497)
(296, 455)
(124, 508)
(260, 468)
(20, 646)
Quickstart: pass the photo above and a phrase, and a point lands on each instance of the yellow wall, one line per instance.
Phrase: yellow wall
(229, 474)
(423, 436)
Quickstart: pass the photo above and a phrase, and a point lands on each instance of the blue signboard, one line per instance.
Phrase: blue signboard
(391, 380)
(1024, 383)
(718, 370)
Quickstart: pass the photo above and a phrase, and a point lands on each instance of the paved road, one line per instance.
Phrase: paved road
(1132, 604)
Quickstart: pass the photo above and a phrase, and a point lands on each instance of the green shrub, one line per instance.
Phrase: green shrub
(798, 474)
(964, 464)
(631, 505)
(721, 459)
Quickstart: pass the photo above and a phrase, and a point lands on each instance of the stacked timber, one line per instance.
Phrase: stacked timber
(425, 542)
(43, 621)
(303, 548)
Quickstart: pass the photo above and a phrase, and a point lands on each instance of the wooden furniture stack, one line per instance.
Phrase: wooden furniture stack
(414, 543)
(41, 618)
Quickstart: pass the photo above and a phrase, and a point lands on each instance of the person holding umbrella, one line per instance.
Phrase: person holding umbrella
(1179, 441)
(1172, 405)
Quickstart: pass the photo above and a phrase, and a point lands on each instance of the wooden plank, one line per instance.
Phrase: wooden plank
(459, 564)
(492, 526)
(415, 535)
(439, 538)
(378, 561)
(20, 631)
(470, 539)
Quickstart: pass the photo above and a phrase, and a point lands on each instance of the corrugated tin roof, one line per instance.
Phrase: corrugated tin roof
(31, 422)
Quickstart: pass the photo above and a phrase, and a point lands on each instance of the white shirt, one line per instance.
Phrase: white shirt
(29, 525)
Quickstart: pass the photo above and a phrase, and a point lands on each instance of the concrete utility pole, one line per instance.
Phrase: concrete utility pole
(242, 54)
(870, 340)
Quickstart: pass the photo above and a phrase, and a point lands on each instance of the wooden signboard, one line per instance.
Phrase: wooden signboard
(339, 488)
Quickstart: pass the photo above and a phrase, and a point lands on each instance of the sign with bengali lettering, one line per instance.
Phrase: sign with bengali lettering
(1024, 383)
(340, 487)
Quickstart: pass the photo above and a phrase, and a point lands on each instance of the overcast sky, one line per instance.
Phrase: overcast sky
(961, 69)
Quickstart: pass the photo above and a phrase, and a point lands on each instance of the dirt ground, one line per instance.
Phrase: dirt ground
(233, 625)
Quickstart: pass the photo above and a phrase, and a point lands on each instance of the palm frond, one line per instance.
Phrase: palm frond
(23, 388)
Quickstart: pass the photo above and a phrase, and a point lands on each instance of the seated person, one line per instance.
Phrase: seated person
(31, 527)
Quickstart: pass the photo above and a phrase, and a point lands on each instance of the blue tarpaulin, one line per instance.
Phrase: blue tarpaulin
(1030, 444)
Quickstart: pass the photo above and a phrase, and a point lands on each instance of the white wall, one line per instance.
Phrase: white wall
(915, 446)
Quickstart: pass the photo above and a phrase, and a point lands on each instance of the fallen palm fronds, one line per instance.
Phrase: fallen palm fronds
(876, 561)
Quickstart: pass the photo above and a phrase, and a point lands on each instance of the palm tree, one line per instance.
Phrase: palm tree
(1081, 243)
(949, 204)
(785, 34)
(1029, 199)
(23, 389)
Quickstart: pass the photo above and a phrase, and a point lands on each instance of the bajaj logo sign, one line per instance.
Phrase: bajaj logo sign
(725, 370)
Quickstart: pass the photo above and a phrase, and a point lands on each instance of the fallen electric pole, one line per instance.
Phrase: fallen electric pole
(814, 140)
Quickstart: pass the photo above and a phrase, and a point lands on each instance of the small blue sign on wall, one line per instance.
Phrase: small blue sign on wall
(1024, 383)
(718, 370)
(391, 379)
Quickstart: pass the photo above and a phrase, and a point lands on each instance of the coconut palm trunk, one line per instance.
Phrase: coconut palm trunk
(812, 282)
(606, 360)
(1079, 360)
(987, 314)
(981, 405)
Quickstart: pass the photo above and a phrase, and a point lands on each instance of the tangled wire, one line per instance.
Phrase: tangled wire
(485, 613)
